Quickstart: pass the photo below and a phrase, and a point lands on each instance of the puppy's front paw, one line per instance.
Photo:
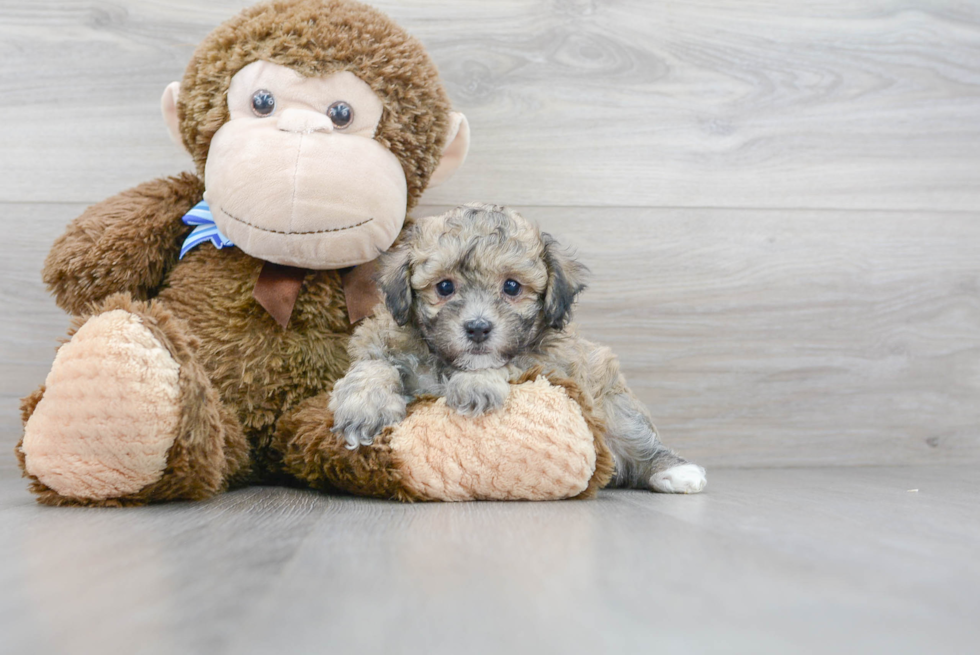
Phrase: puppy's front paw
(360, 423)
(680, 479)
(364, 403)
(476, 393)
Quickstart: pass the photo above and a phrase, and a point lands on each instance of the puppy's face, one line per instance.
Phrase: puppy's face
(480, 283)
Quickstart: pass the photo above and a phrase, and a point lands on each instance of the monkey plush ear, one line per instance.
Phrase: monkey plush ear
(566, 279)
(394, 283)
(454, 154)
(168, 104)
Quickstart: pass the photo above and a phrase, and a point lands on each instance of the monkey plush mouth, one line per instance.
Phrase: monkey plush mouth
(265, 229)
(319, 237)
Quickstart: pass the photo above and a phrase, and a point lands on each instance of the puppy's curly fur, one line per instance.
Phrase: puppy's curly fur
(474, 298)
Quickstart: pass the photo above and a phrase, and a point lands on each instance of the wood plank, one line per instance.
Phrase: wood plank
(765, 338)
(150, 564)
(766, 561)
(828, 104)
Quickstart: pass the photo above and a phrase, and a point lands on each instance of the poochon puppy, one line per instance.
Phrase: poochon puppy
(474, 298)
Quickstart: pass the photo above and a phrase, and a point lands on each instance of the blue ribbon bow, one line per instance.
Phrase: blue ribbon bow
(206, 229)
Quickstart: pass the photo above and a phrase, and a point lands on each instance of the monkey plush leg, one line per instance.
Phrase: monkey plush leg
(127, 416)
(542, 445)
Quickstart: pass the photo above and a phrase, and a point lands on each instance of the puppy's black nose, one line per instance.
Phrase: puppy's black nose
(478, 330)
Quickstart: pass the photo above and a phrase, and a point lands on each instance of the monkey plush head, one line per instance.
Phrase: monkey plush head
(316, 125)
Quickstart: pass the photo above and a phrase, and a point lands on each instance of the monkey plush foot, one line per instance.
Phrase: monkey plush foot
(538, 447)
(127, 416)
(109, 413)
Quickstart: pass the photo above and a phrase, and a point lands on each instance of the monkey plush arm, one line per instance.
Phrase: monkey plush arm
(126, 243)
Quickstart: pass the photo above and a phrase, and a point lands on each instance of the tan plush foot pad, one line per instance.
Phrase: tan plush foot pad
(109, 413)
(538, 447)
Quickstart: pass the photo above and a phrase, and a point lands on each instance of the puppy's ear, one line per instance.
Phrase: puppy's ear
(566, 279)
(393, 281)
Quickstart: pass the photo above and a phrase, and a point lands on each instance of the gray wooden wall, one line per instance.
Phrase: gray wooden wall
(780, 201)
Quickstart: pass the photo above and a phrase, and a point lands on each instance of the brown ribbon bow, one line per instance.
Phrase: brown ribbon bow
(278, 287)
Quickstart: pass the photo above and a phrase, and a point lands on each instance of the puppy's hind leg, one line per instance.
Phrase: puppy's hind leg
(642, 461)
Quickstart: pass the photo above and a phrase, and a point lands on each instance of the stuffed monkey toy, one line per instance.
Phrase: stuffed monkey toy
(213, 310)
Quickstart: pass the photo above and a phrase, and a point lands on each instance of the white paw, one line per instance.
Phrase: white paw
(682, 479)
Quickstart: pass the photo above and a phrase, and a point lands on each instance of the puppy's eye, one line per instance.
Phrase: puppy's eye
(445, 288)
(341, 114)
(263, 103)
(512, 287)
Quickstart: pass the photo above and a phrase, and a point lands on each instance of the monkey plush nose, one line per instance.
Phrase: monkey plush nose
(304, 121)
(478, 330)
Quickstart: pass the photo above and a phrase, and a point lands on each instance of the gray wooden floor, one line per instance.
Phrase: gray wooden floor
(813, 560)
(780, 204)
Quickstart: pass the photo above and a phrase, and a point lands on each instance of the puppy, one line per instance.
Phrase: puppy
(473, 298)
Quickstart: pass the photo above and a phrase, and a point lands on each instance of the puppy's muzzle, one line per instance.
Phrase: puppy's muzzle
(478, 330)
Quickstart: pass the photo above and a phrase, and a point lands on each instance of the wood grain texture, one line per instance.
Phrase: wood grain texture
(828, 104)
(766, 561)
(756, 337)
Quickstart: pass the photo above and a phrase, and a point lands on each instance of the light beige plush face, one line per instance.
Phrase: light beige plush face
(291, 186)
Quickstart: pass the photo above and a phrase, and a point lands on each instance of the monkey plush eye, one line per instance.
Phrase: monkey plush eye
(445, 288)
(512, 287)
(341, 114)
(263, 103)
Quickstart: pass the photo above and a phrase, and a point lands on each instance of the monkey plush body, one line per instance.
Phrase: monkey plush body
(199, 364)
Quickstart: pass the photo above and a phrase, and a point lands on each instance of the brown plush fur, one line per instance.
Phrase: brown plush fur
(318, 37)
(257, 368)
(314, 454)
